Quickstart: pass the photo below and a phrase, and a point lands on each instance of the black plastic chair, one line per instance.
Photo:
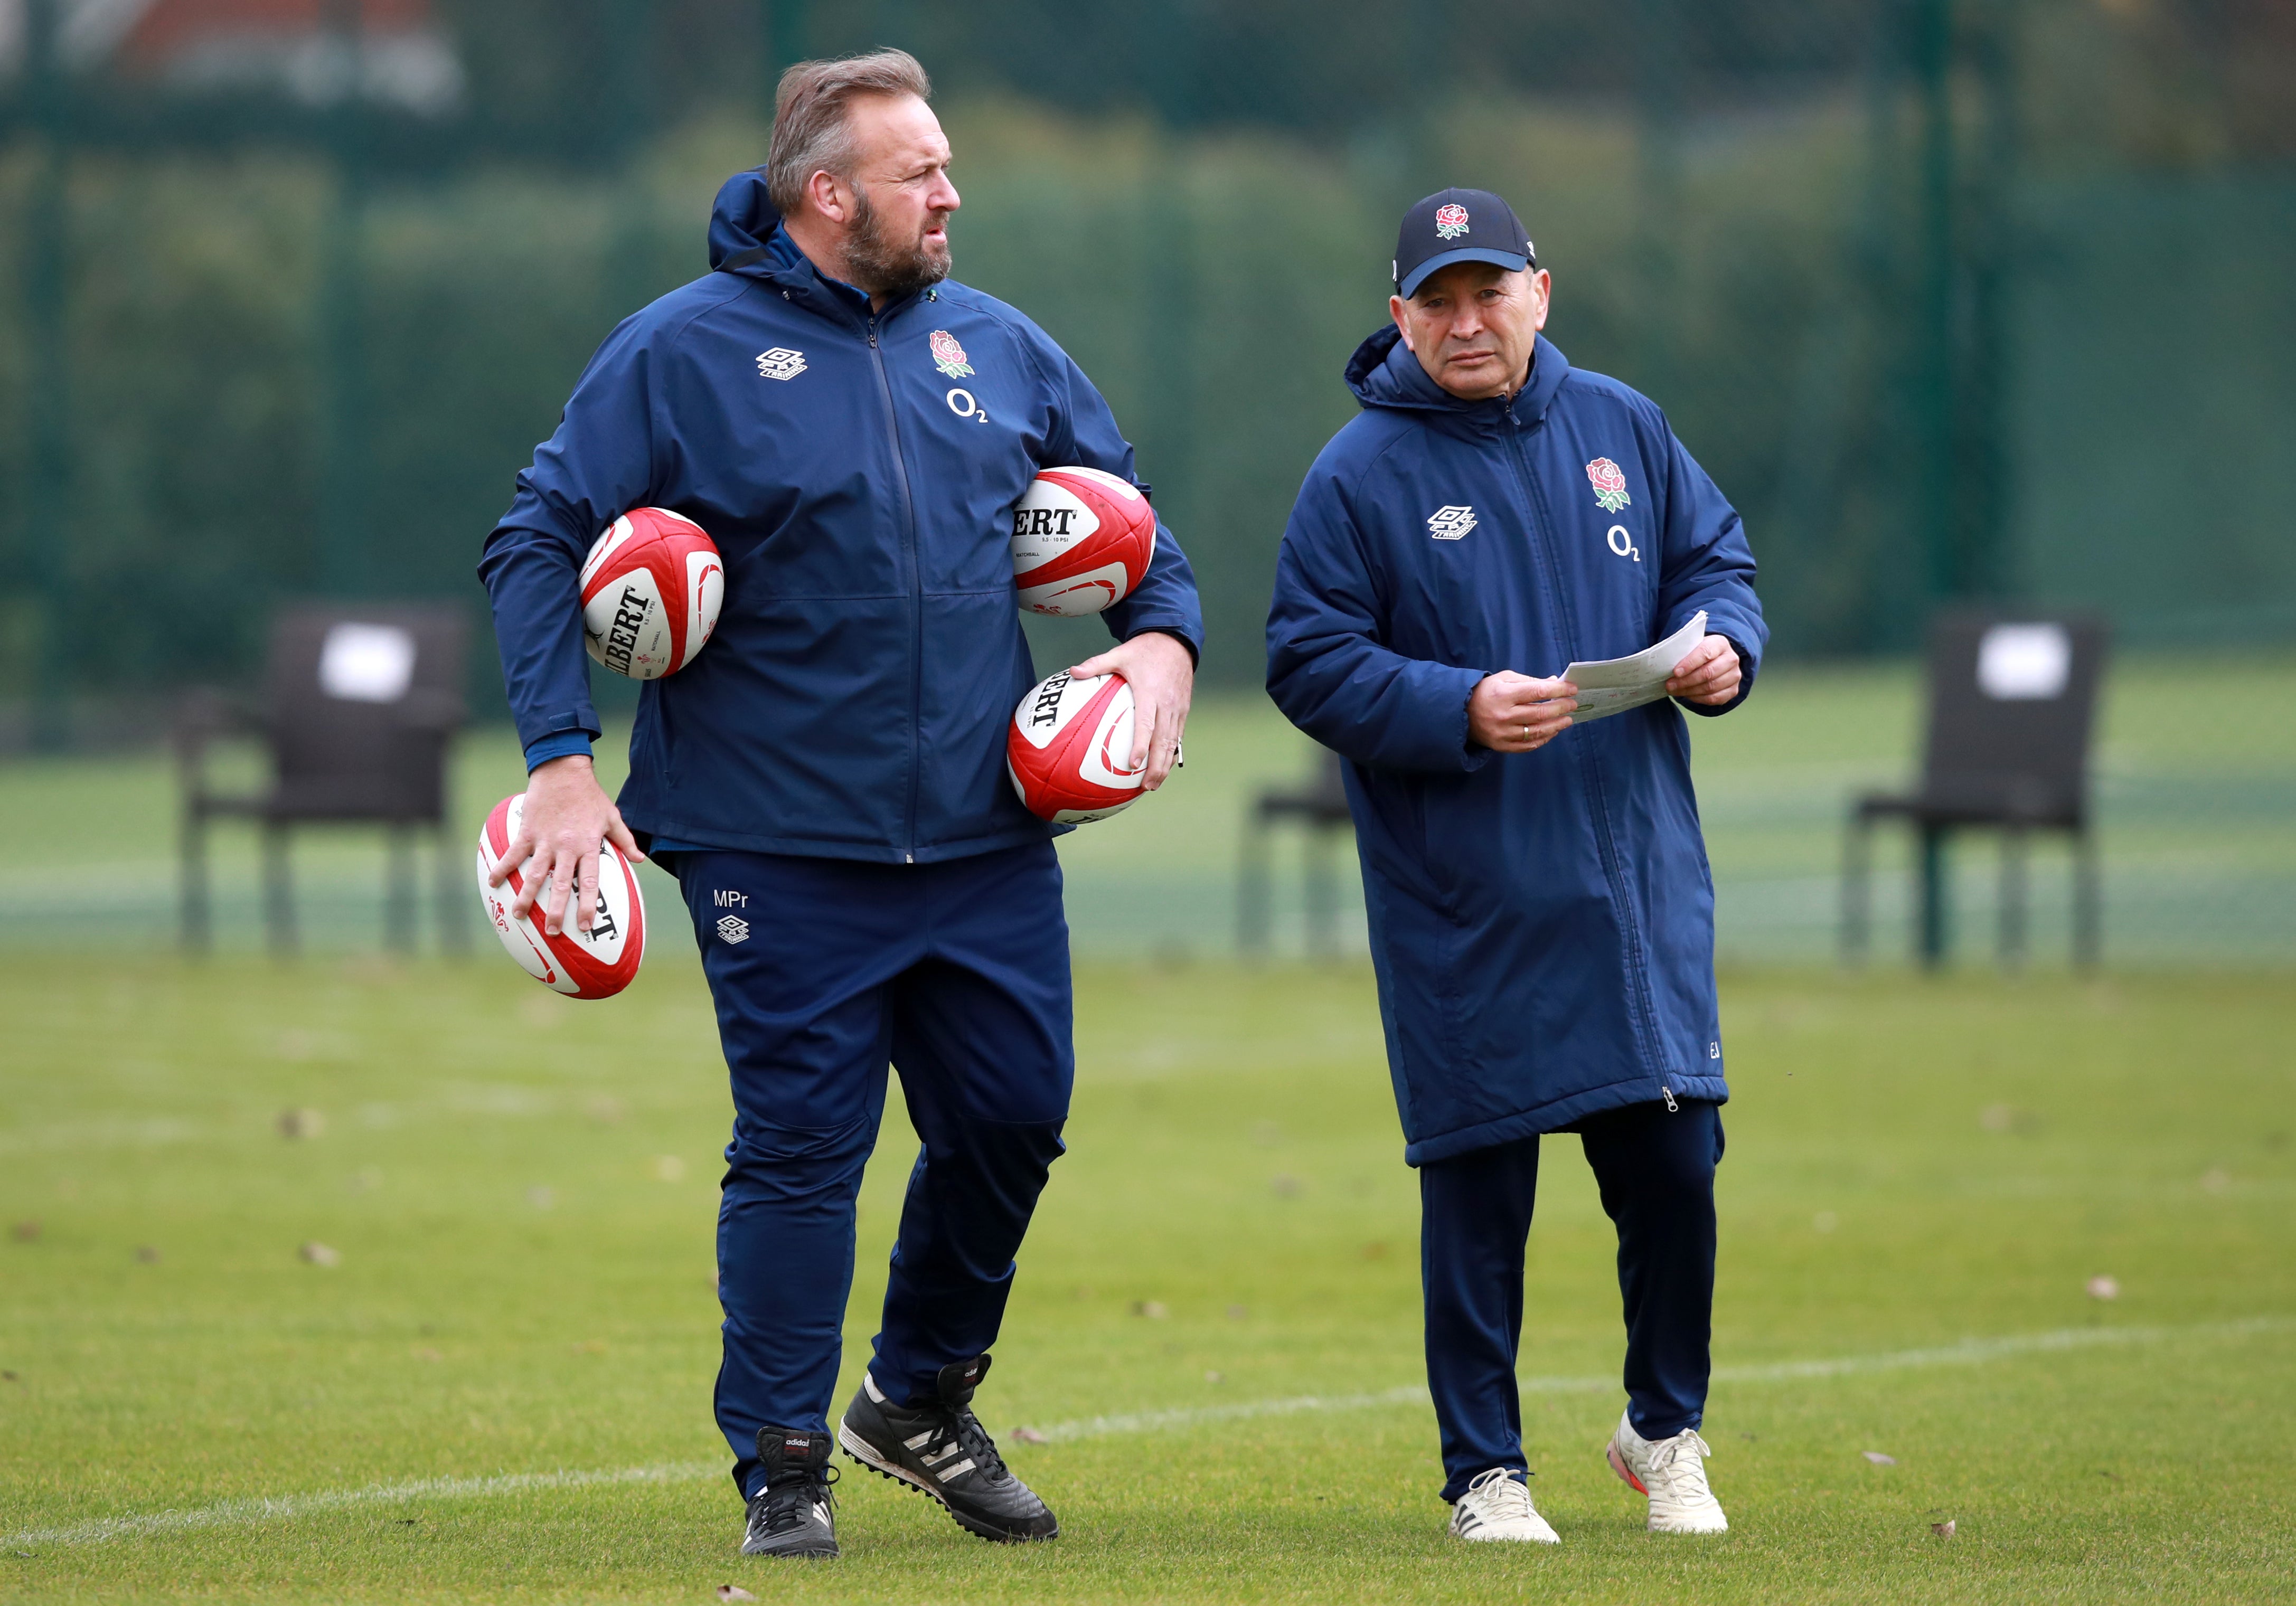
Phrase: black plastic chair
(2011, 700)
(360, 706)
(1322, 806)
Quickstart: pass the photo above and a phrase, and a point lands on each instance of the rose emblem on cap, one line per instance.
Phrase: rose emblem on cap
(1435, 234)
(947, 356)
(1610, 484)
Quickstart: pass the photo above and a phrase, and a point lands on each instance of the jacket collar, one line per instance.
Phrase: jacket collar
(1384, 374)
(747, 239)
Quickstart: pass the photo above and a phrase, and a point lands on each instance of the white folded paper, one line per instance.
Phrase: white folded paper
(1616, 685)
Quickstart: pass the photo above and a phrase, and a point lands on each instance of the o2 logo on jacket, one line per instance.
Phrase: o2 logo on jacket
(1450, 524)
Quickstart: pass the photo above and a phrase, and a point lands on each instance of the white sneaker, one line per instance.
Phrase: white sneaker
(1497, 1507)
(1672, 1471)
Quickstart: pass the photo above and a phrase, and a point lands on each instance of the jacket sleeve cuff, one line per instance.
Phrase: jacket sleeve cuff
(1745, 685)
(558, 745)
(1178, 634)
(1477, 754)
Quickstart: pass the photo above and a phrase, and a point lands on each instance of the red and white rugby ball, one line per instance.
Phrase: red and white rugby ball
(1081, 540)
(597, 964)
(1069, 749)
(651, 590)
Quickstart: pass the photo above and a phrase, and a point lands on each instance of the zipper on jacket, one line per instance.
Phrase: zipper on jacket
(1667, 1094)
(1606, 845)
(916, 585)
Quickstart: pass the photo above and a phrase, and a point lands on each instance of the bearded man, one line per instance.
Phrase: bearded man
(826, 780)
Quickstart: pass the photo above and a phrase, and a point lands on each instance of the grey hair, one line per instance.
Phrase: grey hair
(813, 132)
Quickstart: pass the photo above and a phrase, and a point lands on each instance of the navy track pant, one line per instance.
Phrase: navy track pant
(822, 971)
(1656, 1167)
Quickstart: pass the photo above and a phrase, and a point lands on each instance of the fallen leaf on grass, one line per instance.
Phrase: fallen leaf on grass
(1879, 1460)
(147, 1255)
(1028, 1436)
(1943, 1530)
(25, 1232)
(1153, 1309)
(2008, 1118)
(319, 1254)
(301, 1123)
(734, 1592)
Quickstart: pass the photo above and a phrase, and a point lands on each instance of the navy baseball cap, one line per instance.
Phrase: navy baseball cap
(1458, 225)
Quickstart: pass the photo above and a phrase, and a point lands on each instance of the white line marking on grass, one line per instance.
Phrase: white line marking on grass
(1151, 1422)
(1970, 1352)
(239, 1513)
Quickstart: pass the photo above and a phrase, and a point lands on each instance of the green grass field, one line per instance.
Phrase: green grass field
(1215, 1325)
(2195, 783)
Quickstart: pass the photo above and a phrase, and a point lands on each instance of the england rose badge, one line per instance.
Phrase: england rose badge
(1610, 484)
(947, 356)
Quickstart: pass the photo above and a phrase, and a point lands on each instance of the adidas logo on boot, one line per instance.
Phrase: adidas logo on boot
(938, 1446)
(793, 1514)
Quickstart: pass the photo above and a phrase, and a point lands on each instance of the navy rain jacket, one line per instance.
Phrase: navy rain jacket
(859, 475)
(1542, 923)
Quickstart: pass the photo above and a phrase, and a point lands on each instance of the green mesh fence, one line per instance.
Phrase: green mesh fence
(1955, 297)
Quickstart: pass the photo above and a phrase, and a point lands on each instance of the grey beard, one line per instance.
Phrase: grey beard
(884, 267)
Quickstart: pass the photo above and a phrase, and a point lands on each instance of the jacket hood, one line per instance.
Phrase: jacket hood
(1384, 374)
(743, 220)
(747, 239)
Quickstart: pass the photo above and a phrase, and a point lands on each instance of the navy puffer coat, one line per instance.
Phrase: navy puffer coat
(1542, 923)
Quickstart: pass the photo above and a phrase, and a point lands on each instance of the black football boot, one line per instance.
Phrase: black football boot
(794, 1514)
(941, 1447)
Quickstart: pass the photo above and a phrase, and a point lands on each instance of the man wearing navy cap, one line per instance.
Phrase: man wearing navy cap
(1542, 919)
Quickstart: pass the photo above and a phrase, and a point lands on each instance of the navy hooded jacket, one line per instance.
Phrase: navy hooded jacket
(1542, 923)
(858, 471)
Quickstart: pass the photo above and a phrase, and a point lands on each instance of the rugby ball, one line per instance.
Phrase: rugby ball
(1081, 540)
(651, 590)
(597, 964)
(1069, 749)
